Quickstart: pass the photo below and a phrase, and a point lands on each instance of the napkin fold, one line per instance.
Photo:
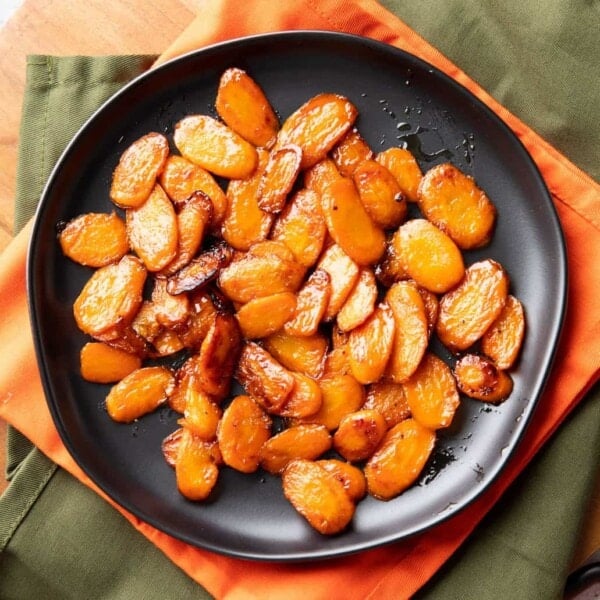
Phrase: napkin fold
(398, 570)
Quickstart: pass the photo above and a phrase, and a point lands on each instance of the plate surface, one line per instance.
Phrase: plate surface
(402, 101)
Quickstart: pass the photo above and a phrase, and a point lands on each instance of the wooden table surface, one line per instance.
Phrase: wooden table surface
(63, 27)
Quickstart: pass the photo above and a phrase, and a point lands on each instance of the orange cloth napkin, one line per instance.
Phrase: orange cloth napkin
(398, 570)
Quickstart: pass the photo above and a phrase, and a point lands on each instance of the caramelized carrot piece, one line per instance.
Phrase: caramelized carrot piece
(428, 255)
(180, 178)
(301, 227)
(399, 460)
(166, 343)
(94, 239)
(243, 430)
(452, 201)
(152, 230)
(391, 267)
(145, 323)
(317, 126)
(102, 363)
(196, 470)
(139, 393)
(503, 340)
(263, 377)
(336, 362)
(267, 248)
(469, 310)
(318, 496)
(111, 297)
(312, 301)
(341, 395)
(431, 393)
(201, 413)
(404, 167)
(360, 304)
(411, 332)
(169, 311)
(388, 399)
(215, 363)
(370, 345)
(201, 270)
(359, 434)
(478, 377)
(123, 337)
(200, 318)
(263, 316)
(343, 274)
(321, 175)
(193, 220)
(139, 166)
(245, 223)
(242, 104)
(278, 178)
(170, 446)
(350, 225)
(380, 194)
(305, 398)
(304, 354)
(350, 152)
(301, 441)
(351, 477)
(432, 308)
(215, 147)
(256, 276)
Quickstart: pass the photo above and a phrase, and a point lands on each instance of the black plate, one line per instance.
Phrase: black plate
(401, 100)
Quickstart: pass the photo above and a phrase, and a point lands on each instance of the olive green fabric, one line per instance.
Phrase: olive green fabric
(73, 545)
(60, 540)
(540, 59)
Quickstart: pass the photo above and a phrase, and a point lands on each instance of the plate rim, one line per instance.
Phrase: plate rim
(296, 34)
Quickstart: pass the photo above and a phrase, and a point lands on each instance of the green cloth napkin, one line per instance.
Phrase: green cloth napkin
(60, 540)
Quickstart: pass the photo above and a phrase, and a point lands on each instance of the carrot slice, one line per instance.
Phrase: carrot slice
(242, 104)
(350, 225)
(404, 167)
(468, 311)
(370, 345)
(95, 239)
(380, 194)
(215, 147)
(428, 255)
(102, 363)
(317, 126)
(139, 393)
(153, 231)
(452, 201)
(301, 441)
(399, 460)
(278, 178)
(503, 340)
(350, 152)
(431, 393)
(318, 496)
(139, 166)
(242, 432)
(411, 332)
(478, 377)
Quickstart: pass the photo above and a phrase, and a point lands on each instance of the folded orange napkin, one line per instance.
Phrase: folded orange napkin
(398, 570)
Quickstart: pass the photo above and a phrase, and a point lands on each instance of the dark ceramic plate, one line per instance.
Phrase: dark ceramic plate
(401, 100)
